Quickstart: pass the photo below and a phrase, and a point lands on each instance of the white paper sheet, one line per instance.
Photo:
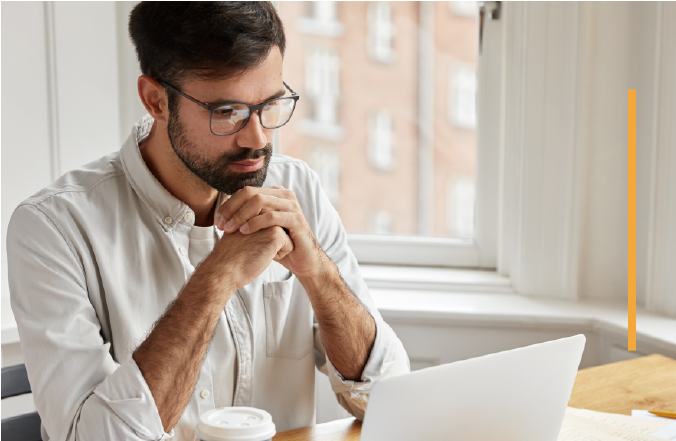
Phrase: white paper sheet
(579, 428)
(666, 432)
(640, 425)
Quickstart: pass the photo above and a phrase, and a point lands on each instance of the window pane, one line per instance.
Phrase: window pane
(387, 114)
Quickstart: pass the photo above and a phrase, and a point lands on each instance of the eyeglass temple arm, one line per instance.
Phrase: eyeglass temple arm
(204, 105)
(289, 87)
(199, 103)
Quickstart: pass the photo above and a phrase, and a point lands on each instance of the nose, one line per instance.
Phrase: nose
(253, 134)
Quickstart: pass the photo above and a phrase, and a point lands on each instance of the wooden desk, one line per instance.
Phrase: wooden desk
(348, 429)
(642, 383)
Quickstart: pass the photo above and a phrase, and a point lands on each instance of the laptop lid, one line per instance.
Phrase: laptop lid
(517, 395)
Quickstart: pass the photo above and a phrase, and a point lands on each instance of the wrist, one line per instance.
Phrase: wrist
(325, 274)
(215, 278)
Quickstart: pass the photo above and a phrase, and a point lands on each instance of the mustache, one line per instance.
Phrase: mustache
(246, 154)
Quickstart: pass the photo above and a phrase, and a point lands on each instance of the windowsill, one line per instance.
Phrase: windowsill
(435, 279)
(455, 297)
(383, 58)
(322, 28)
(316, 129)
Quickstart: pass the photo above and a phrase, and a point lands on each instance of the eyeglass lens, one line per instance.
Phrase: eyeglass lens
(230, 118)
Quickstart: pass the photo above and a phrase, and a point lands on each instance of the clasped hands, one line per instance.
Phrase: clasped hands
(254, 220)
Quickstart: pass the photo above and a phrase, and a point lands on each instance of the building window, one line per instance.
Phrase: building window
(380, 30)
(321, 19)
(381, 140)
(462, 96)
(381, 222)
(460, 206)
(322, 85)
(464, 9)
(326, 163)
(324, 11)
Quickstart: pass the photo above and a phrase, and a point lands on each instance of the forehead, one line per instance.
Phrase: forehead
(251, 86)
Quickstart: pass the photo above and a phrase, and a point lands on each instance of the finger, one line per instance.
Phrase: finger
(284, 219)
(286, 245)
(218, 219)
(257, 205)
(241, 197)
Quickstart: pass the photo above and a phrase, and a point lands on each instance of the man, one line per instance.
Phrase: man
(192, 269)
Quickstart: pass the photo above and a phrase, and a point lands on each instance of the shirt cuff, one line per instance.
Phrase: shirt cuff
(383, 357)
(126, 392)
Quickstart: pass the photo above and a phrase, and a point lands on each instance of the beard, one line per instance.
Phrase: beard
(215, 172)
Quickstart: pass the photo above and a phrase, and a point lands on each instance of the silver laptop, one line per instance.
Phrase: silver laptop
(520, 394)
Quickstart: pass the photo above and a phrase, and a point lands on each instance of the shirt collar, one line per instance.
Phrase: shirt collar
(167, 210)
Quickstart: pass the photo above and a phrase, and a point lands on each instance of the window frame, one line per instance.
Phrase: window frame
(385, 53)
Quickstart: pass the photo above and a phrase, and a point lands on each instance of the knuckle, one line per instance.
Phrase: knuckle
(273, 215)
(258, 198)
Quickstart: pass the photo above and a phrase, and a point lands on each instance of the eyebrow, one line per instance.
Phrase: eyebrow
(220, 102)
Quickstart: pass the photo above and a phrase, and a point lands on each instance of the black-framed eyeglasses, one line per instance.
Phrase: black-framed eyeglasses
(227, 119)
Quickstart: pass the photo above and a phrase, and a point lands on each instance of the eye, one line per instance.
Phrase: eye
(224, 112)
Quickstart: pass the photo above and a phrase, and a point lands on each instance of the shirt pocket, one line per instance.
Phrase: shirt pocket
(288, 320)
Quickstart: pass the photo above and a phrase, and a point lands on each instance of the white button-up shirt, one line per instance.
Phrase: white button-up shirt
(96, 258)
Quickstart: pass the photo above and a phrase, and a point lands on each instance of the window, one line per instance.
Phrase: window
(464, 9)
(382, 222)
(325, 162)
(460, 206)
(322, 85)
(381, 139)
(388, 127)
(380, 32)
(323, 11)
(462, 99)
(321, 19)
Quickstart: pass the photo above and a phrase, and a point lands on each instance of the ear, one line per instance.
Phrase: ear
(154, 98)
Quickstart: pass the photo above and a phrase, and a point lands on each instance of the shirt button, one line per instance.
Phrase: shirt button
(188, 217)
(183, 251)
(168, 220)
(204, 394)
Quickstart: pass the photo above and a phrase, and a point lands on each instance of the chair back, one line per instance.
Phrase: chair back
(23, 427)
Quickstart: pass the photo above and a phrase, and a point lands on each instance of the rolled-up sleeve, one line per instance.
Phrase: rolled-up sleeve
(388, 356)
(79, 390)
(387, 359)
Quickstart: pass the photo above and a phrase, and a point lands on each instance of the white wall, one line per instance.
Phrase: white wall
(628, 46)
(568, 67)
(68, 95)
(26, 143)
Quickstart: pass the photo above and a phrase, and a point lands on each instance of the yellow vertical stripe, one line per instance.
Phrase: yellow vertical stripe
(631, 191)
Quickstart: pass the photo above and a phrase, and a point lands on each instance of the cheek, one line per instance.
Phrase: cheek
(198, 133)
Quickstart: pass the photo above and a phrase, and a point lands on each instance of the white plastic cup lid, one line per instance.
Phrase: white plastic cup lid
(235, 424)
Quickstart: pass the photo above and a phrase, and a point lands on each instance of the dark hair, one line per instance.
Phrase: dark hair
(178, 40)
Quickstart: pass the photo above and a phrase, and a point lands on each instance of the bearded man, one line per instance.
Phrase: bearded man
(193, 269)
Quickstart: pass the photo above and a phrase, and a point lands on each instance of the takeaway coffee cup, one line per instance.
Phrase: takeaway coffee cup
(235, 424)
